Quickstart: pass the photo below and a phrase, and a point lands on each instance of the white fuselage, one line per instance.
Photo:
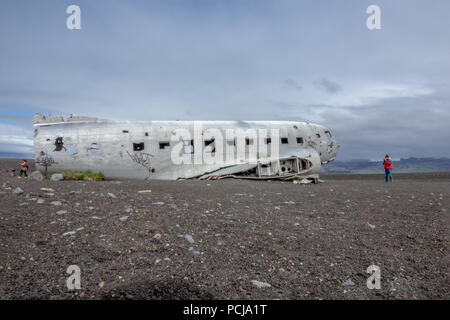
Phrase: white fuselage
(109, 146)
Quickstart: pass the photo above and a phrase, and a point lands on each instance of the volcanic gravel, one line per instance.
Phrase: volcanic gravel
(228, 239)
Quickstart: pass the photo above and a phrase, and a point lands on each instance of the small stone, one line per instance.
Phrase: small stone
(101, 284)
(371, 226)
(56, 203)
(56, 177)
(157, 236)
(18, 190)
(195, 253)
(69, 233)
(260, 284)
(40, 201)
(111, 195)
(37, 175)
(61, 212)
(349, 283)
(189, 238)
(124, 218)
(157, 203)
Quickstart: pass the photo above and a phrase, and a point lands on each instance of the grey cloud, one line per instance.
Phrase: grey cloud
(328, 86)
(291, 84)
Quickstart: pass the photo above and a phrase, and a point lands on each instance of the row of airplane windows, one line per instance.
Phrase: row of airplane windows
(165, 145)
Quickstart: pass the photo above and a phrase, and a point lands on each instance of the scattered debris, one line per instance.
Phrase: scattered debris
(47, 189)
(144, 191)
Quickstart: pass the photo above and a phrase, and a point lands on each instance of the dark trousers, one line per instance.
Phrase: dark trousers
(388, 174)
(23, 171)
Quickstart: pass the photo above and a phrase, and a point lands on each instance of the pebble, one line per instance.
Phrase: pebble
(56, 203)
(157, 236)
(111, 195)
(124, 218)
(349, 283)
(18, 190)
(189, 238)
(261, 284)
(69, 233)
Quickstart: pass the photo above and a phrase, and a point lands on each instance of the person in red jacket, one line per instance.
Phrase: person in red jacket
(388, 168)
(24, 168)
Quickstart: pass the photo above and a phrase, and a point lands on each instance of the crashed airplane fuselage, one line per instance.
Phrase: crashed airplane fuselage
(171, 150)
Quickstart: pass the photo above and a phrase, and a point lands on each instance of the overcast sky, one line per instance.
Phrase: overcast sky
(380, 91)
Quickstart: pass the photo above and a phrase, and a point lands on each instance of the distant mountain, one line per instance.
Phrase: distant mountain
(16, 155)
(408, 165)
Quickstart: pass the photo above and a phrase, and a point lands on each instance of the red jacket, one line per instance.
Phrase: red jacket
(387, 164)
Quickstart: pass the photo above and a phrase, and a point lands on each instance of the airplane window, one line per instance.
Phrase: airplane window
(284, 140)
(164, 145)
(138, 146)
(299, 140)
(209, 146)
(268, 140)
(248, 141)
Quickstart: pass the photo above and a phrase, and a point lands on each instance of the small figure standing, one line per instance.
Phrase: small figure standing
(24, 168)
(388, 168)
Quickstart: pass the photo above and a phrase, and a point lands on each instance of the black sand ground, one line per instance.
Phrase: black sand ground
(306, 241)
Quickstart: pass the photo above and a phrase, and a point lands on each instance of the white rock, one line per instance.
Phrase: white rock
(37, 175)
(56, 177)
(260, 284)
(189, 238)
(18, 190)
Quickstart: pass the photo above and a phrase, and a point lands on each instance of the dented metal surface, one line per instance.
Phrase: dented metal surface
(144, 150)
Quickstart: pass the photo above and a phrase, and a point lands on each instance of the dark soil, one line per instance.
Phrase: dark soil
(305, 241)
